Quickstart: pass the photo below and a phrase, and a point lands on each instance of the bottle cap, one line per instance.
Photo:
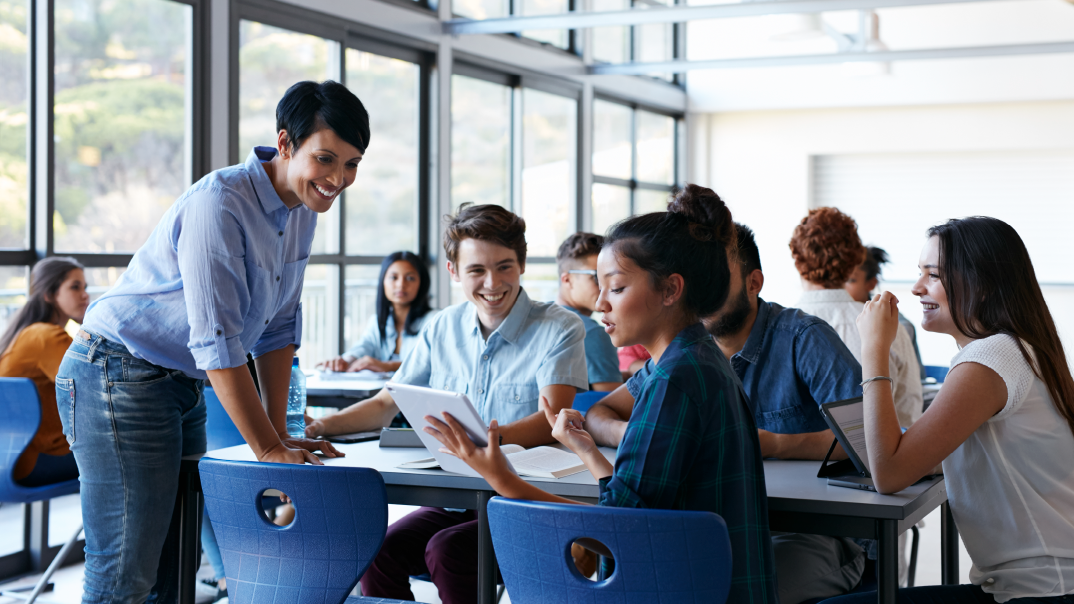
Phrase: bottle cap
(294, 362)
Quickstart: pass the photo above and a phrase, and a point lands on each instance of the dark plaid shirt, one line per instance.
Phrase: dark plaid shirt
(691, 444)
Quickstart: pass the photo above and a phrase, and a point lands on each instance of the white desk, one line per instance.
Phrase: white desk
(342, 392)
(798, 501)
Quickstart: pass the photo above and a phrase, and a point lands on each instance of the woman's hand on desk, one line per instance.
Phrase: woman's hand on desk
(368, 362)
(311, 445)
(336, 364)
(281, 453)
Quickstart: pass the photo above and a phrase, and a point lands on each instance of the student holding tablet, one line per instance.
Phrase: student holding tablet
(220, 277)
(501, 349)
(1002, 425)
(691, 442)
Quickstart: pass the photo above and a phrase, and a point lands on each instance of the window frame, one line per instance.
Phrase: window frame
(633, 184)
(348, 35)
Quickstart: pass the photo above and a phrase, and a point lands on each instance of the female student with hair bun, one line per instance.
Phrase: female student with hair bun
(1002, 425)
(33, 347)
(690, 443)
(402, 310)
(220, 277)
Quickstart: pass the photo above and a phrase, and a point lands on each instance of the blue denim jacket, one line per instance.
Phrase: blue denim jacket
(791, 364)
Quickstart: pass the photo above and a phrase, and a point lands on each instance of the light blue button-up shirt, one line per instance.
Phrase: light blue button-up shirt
(219, 277)
(372, 345)
(537, 345)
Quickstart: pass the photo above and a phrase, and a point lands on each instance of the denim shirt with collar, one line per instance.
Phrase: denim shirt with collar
(791, 364)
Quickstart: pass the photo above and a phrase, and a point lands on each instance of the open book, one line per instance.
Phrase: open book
(538, 462)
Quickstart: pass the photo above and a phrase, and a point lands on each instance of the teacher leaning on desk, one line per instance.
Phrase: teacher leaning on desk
(220, 277)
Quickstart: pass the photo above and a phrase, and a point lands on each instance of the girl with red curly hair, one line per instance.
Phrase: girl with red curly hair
(826, 250)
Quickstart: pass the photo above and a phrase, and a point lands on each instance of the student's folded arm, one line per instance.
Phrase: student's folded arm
(651, 464)
(377, 412)
(808, 445)
(606, 419)
(971, 395)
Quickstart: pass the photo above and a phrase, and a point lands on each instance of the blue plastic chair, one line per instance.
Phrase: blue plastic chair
(341, 515)
(220, 430)
(660, 555)
(21, 409)
(936, 372)
(584, 400)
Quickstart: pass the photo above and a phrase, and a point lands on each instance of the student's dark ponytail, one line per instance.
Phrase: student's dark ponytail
(691, 239)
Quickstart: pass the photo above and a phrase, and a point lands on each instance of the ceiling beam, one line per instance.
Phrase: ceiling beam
(844, 57)
(672, 14)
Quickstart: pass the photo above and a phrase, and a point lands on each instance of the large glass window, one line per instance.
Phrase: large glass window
(633, 162)
(480, 141)
(624, 43)
(382, 204)
(14, 121)
(549, 135)
(271, 60)
(359, 300)
(555, 37)
(12, 295)
(121, 120)
(611, 44)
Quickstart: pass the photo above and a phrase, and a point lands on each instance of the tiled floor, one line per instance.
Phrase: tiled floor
(66, 515)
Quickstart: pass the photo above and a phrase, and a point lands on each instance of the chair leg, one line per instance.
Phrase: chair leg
(912, 569)
(499, 592)
(56, 563)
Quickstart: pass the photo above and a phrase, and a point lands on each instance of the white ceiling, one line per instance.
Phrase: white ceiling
(1037, 77)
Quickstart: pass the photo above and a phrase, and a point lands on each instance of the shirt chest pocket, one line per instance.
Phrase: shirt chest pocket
(515, 394)
(448, 382)
(290, 285)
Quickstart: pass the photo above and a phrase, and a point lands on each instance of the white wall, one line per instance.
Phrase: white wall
(759, 162)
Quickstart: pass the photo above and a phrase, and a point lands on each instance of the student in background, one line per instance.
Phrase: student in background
(864, 280)
(826, 250)
(33, 346)
(402, 310)
(578, 291)
(631, 359)
(1002, 424)
(690, 443)
(789, 363)
(500, 348)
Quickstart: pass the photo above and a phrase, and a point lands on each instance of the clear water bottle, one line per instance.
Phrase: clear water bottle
(296, 402)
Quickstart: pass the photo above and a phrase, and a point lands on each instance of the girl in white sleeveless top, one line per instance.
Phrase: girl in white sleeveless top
(1002, 425)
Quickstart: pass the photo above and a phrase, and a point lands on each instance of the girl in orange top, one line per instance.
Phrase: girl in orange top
(33, 345)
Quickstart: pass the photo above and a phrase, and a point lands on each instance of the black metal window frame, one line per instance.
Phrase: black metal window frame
(633, 184)
(348, 35)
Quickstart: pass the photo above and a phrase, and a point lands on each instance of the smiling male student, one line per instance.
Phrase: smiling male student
(504, 351)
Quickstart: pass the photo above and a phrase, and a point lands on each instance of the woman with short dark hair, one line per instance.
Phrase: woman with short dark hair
(1002, 425)
(402, 309)
(219, 278)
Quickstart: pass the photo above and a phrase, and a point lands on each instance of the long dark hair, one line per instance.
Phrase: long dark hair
(690, 239)
(418, 308)
(992, 289)
(45, 280)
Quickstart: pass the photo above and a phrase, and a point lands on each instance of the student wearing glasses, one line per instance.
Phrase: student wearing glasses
(576, 261)
(691, 442)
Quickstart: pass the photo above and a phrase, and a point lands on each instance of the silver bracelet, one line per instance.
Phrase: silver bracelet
(879, 377)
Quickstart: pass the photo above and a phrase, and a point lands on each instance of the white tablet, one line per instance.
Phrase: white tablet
(416, 402)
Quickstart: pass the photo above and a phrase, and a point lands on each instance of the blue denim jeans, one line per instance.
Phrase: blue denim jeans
(129, 423)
